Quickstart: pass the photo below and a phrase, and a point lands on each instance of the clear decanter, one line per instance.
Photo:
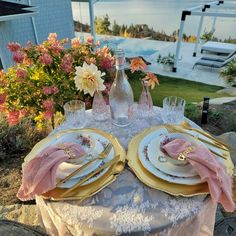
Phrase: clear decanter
(121, 96)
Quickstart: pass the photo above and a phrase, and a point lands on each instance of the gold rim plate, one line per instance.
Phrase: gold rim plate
(89, 189)
(154, 182)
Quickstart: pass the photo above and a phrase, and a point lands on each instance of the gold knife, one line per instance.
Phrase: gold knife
(221, 144)
(109, 163)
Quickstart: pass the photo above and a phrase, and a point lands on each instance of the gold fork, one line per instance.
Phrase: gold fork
(174, 130)
(101, 156)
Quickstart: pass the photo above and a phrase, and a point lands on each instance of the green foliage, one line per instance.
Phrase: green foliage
(192, 111)
(18, 139)
(166, 60)
(102, 25)
(116, 29)
(229, 73)
(207, 36)
(191, 91)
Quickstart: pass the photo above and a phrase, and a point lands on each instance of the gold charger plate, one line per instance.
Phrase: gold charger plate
(154, 182)
(92, 188)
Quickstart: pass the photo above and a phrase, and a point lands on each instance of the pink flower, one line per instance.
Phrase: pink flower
(13, 47)
(75, 43)
(52, 37)
(45, 59)
(56, 48)
(107, 63)
(42, 49)
(48, 115)
(48, 105)
(98, 43)
(13, 117)
(90, 60)
(50, 90)
(18, 56)
(23, 112)
(66, 63)
(2, 98)
(21, 74)
(55, 90)
(89, 39)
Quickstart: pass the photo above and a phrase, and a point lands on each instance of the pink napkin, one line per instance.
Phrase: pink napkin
(209, 168)
(39, 173)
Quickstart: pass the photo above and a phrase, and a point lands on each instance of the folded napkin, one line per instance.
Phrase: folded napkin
(208, 167)
(39, 173)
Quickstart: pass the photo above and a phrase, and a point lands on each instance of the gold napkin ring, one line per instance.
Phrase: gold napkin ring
(183, 155)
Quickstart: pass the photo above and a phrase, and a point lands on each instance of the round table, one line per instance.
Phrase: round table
(127, 206)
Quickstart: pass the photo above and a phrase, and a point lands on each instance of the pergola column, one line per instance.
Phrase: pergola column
(180, 36)
(91, 15)
(198, 36)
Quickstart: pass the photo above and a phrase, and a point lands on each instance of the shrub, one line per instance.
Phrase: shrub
(19, 139)
(229, 73)
(43, 78)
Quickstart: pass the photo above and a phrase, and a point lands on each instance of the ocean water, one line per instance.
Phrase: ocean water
(162, 15)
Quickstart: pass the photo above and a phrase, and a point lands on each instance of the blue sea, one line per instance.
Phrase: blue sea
(162, 15)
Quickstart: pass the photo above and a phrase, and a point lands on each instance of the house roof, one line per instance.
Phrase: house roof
(11, 11)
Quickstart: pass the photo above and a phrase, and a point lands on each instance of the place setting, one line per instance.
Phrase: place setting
(180, 159)
(88, 160)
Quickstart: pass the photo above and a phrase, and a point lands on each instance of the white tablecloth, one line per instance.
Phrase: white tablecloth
(127, 206)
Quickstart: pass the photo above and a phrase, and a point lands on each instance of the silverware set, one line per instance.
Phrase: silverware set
(101, 156)
(174, 129)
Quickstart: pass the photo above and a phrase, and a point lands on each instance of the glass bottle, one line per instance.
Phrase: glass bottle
(145, 105)
(121, 96)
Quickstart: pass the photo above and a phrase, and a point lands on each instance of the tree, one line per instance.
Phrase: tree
(102, 25)
(116, 28)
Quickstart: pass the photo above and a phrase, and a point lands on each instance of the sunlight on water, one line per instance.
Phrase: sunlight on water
(160, 14)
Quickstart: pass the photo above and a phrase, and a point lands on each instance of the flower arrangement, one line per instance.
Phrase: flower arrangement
(228, 73)
(137, 65)
(166, 60)
(49, 74)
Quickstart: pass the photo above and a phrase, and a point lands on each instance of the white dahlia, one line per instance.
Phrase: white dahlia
(88, 79)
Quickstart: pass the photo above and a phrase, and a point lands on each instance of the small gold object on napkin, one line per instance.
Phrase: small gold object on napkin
(183, 155)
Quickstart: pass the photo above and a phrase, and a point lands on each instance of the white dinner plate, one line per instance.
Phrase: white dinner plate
(72, 136)
(65, 168)
(165, 163)
(144, 158)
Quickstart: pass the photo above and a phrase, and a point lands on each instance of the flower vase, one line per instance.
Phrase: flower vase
(145, 105)
(100, 110)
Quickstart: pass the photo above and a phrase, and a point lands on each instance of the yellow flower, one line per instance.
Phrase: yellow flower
(151, 80)
(88, 79)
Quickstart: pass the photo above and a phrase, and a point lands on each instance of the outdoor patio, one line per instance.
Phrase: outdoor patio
(150, 49)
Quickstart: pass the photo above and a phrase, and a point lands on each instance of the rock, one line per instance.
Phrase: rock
(230, 91)
(230, 139)
(26, 214)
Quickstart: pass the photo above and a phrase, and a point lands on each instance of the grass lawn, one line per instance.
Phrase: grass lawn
(169, 86)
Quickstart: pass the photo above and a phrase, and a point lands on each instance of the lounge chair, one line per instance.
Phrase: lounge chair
(214, 63)
(218, 58)
(218, 48)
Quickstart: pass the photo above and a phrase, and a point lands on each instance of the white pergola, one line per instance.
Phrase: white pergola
(203, 11)
(91, 14)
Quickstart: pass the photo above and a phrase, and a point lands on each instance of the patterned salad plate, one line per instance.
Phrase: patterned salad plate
(161, 174)
(96, 140)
